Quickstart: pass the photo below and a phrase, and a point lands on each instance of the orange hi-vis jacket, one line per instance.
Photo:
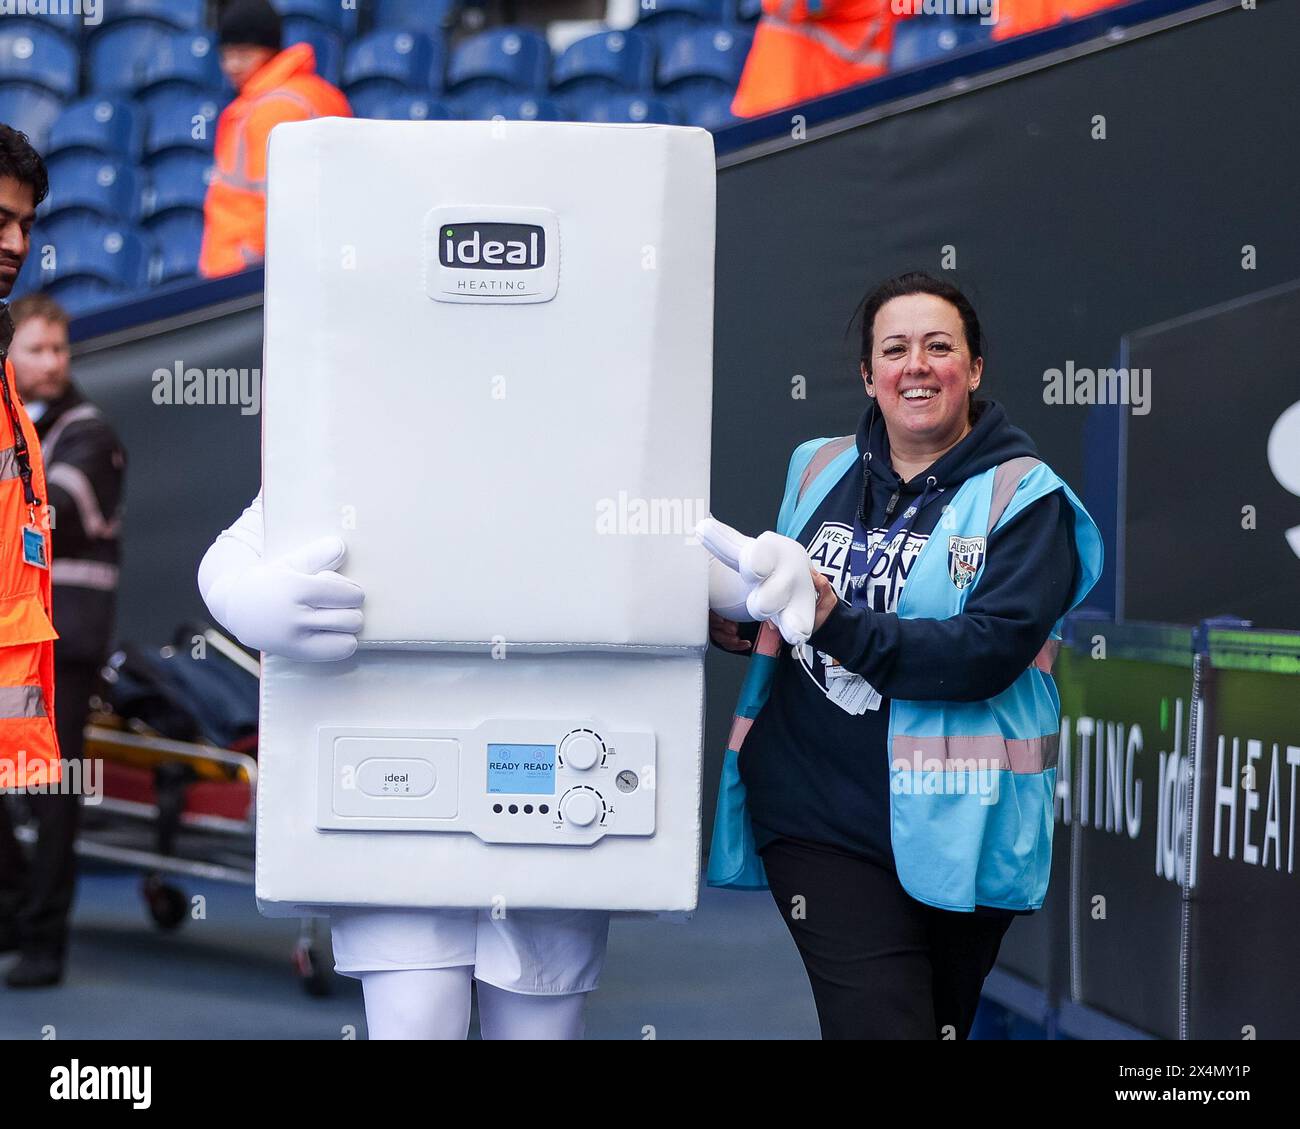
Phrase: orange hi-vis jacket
(29, 748)
(286, 89)
(803, 49)
(1019, 17)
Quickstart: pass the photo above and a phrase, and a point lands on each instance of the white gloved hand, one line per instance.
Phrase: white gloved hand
(774, 569)
(295, 606)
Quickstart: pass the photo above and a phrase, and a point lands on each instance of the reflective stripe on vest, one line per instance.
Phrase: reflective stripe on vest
(100, 575)
(8, 463)
(863, 55)
(969, 754)
(238, 178)
(21, 701)
(75, 483)
(52, 437)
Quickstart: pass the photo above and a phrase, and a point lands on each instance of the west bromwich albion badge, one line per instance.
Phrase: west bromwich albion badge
(965, 555)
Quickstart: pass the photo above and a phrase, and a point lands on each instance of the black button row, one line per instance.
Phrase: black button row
(513, 809)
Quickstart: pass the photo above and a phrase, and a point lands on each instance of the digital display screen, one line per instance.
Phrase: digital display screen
(521, 769)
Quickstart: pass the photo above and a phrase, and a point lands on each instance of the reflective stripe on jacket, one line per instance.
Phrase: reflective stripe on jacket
(29, 749)
(803, 49)
(971, 783)
(286, 89)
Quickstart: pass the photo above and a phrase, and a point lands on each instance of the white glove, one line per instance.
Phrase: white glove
(775, 577)
(295, 606)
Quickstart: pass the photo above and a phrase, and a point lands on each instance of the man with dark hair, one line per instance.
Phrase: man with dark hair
(273, 86)
(84, 466)
(29, 746)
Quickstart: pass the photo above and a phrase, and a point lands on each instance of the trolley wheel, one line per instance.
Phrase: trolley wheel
(311, 969)
(168, 905)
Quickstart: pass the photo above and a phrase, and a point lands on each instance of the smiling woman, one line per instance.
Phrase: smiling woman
(898, 770)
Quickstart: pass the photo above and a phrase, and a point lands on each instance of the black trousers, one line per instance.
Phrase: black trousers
(882, 965)
(37, 895)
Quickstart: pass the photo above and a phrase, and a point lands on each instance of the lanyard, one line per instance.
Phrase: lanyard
(20, 439)
(859, 566)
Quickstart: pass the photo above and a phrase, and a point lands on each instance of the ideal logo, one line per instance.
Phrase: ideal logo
(492, 246)
(491, 253)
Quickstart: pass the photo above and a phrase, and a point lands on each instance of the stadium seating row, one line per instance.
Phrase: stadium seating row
(130, 163)
(135, 57)
(352, 18)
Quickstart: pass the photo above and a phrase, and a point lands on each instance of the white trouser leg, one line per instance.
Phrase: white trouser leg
(516, 1015)
(418, 1003)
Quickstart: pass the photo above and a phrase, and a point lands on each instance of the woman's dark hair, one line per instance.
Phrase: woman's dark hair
(918, 282)
(19, 160)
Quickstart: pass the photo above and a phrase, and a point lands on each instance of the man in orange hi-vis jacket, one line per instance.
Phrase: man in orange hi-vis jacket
(1019, 17)
(273, 86)
(29, 752)
(806, 48)
(29, 745)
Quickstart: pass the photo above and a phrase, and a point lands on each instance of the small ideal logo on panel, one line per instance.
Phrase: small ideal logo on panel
(965, 555)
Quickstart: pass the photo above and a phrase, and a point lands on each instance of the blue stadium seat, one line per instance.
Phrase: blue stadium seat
(178, 180)
(416, 15)
(31, 110)
(328, 13)
(706, 60)
(181, 118)
(621, 108)
(668, 19)
(119, 57)
(186, 57)
(82, 295)
(512, 107)
(369, 98)
(38, 56)
(745, 11)
(185, 15)
(327, 44)
(409, 59)
(608, 62)
(708, 111)
(504, 60)
(179, 237)
(117, 255)
(410, 108)
(68, 24)
(106, 125)
(92, 183)
(924, 39)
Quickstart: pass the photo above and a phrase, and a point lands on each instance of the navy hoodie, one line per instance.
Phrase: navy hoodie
(814, 772)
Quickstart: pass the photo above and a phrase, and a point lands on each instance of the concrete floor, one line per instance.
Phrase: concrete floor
(731, 972)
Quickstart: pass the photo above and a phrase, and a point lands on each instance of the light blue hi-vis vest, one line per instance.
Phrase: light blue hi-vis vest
(971, 783)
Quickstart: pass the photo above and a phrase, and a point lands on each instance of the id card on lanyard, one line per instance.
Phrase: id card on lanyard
(851, 692)
(34, 547)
